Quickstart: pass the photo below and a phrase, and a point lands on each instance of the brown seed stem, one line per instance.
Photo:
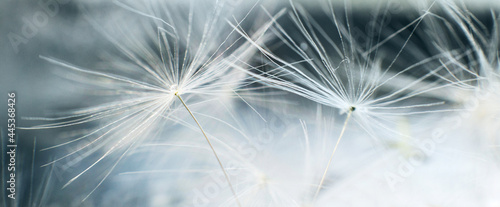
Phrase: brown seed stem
(333, 153)
(213, 150)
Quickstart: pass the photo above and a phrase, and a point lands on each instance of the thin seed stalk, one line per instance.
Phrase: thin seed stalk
(333, 153)
(211, 147)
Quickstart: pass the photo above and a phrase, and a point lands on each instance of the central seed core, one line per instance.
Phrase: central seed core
(174, 88)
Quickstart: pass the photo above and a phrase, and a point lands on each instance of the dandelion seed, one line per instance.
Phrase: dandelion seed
(191, 59)
(344, 75)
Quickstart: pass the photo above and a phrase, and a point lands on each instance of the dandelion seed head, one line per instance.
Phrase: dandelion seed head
(186, 49)
(338, 72)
